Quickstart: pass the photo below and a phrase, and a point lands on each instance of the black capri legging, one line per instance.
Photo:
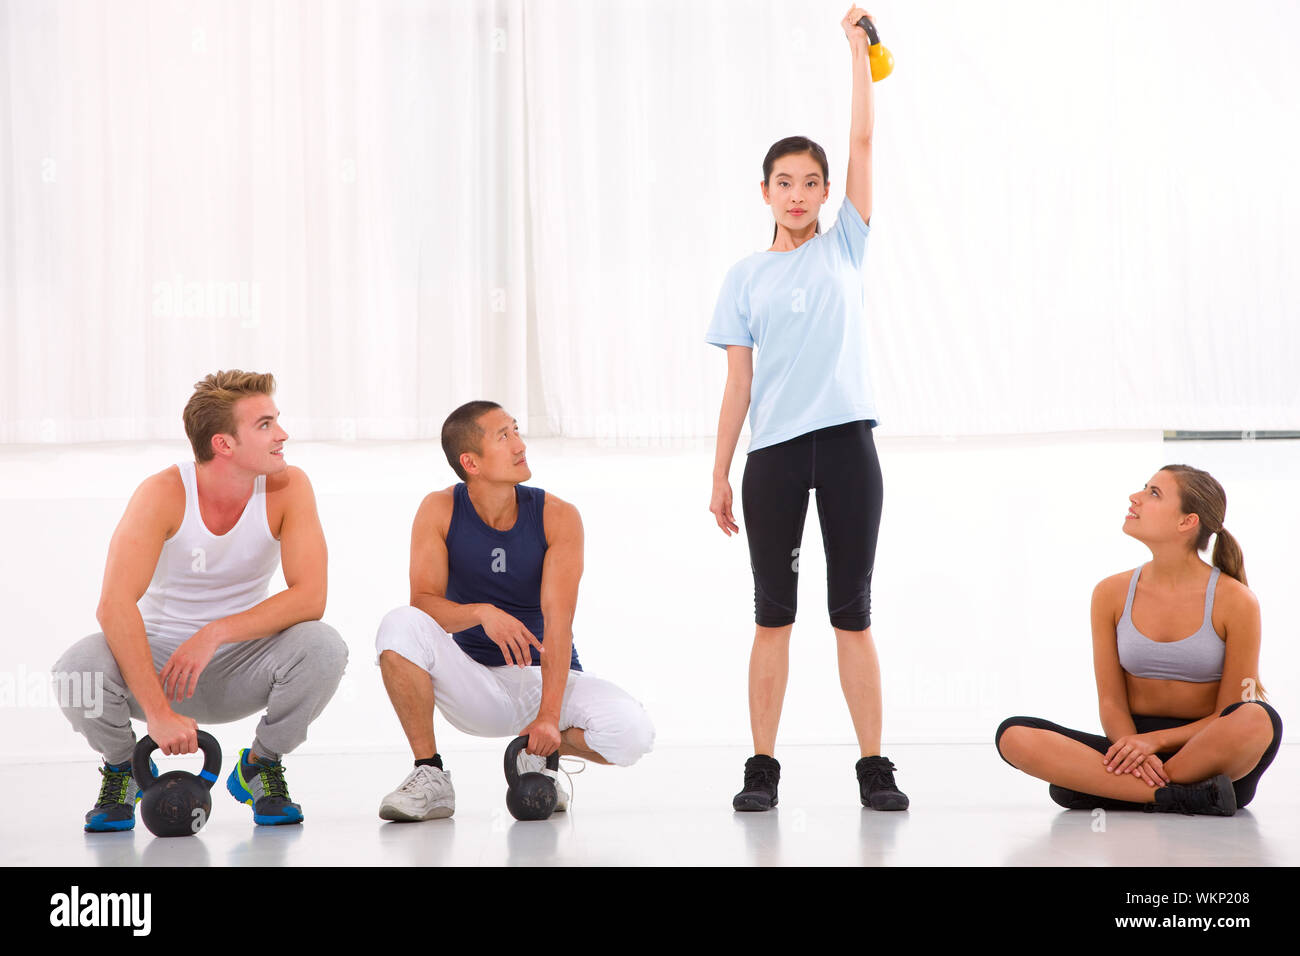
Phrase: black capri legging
(1245, 787)
(840, 462)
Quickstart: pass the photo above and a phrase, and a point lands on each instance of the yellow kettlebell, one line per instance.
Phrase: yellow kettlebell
(881, 60)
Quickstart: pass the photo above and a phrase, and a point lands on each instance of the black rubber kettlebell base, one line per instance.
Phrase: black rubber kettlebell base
(177, 803)
(529, 796)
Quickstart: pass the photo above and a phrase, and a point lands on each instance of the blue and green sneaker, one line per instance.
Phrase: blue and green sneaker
(262, 787)
(118, 795)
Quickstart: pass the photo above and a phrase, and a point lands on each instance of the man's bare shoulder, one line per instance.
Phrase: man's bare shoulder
(162, 483)
(559, 516)
(441, 500)
(161, 496)
(435, 510)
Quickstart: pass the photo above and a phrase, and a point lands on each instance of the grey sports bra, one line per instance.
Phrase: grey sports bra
(1197, 659)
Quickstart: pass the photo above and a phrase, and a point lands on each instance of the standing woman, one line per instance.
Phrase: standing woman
(811, 414)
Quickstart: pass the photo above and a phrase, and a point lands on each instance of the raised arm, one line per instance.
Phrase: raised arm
(561, 572)
(153, 514)
(857, 182)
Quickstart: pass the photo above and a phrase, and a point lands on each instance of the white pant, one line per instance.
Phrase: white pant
(501, 701)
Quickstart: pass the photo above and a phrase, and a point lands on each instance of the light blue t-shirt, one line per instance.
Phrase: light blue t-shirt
(803, 312)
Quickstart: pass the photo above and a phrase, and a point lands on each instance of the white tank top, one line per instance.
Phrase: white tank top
(202, 577)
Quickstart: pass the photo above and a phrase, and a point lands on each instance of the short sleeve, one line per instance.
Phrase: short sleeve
(850, 233)
(730, 325)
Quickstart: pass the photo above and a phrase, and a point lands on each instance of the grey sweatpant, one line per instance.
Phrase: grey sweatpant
(291, 675)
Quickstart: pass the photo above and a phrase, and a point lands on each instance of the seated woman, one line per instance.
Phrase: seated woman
(1175, 646)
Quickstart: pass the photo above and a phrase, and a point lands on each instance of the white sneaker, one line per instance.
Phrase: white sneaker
(426, 794)
(533, 763)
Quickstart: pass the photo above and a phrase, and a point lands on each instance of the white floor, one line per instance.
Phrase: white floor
(673, 809)
(989, 551)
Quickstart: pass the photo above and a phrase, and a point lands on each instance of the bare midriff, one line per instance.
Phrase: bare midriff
(1171, 698)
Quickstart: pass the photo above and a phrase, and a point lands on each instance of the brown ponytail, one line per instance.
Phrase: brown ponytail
(1204, 497)
(1227, 556)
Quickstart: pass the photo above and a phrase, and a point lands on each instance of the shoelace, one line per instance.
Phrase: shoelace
(761, 778)
(416, 781)
(112, 790)
(879, 775)
(273, 784)
(570, 774)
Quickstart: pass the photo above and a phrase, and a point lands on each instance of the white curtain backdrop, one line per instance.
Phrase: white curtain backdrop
(328, 191)
(1084, 213)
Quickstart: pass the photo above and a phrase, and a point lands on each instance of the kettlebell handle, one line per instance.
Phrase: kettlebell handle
(878, 56)
(144, 749)
(512, 759)
(872, 35)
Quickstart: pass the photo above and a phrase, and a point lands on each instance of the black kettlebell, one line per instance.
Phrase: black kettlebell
(177, 803)
(529, 796)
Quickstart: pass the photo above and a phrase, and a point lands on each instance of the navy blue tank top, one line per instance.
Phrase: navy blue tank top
(501, 568)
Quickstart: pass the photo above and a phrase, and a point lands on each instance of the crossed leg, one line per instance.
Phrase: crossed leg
(1231, 744)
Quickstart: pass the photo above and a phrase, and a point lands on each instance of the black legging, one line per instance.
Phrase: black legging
(1245, 787)
(840, 462)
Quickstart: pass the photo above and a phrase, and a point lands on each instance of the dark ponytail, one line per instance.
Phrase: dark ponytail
(788, 147)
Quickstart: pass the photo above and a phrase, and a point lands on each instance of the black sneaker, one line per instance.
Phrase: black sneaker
(762, 774)
(876, 785)
(1214, 797)
(114, 809)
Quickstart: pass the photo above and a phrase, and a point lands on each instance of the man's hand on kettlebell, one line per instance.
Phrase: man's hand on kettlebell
(174, 733)
(543, 737)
